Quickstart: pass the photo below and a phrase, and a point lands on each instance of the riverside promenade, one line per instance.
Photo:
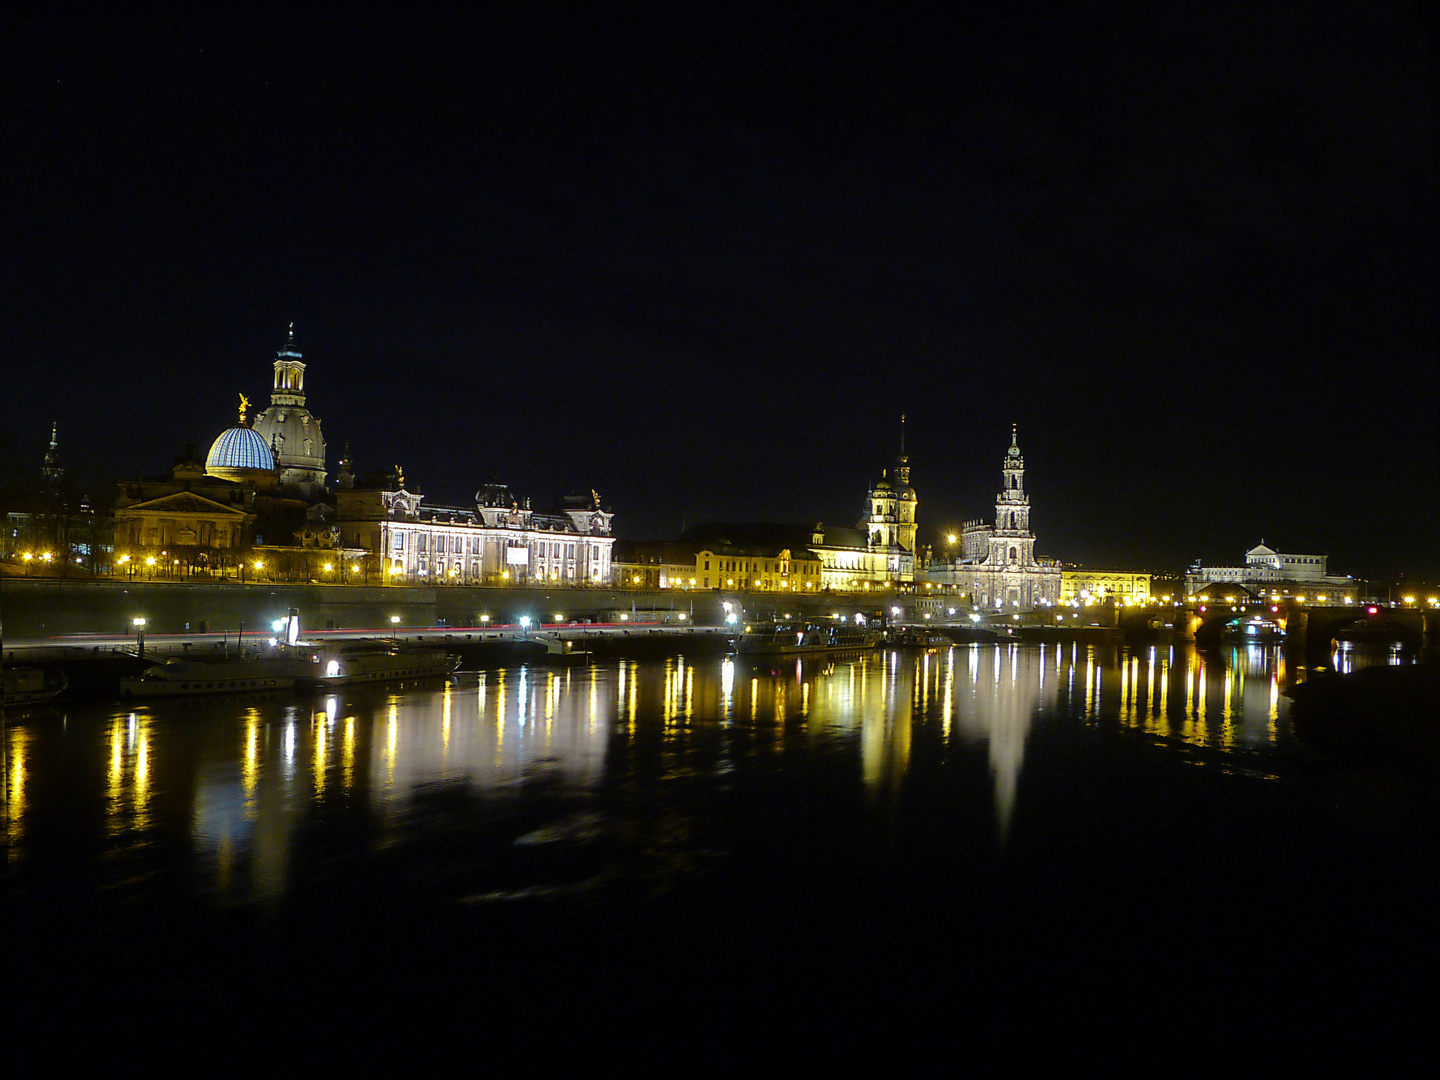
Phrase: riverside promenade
(34, 610)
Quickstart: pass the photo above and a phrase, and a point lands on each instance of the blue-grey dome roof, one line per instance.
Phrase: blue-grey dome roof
(239, 448)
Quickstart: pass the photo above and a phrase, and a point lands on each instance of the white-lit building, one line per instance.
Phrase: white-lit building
(997, 565)
(498, 540)
(1269, 571)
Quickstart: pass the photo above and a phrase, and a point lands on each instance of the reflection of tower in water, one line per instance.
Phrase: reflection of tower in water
(996, 691)
(988, 693)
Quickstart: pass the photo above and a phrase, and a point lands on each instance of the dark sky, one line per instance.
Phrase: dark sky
(702, 257)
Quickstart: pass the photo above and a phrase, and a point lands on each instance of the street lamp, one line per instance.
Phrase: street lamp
(139, 624)
(394, 625)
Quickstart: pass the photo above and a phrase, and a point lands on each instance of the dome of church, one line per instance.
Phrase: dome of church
(238, 448)
(296, 435)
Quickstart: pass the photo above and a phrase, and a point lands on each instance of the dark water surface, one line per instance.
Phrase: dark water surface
(993, 854)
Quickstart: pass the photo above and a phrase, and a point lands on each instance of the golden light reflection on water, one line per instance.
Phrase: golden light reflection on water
(15, 746)
(877, 717)
(128, 804)
(318, 737)
(250, 764)
(347, 760)
(445, 724)
(392, 741)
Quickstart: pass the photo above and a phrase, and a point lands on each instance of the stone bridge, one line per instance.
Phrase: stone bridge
(1307, 622)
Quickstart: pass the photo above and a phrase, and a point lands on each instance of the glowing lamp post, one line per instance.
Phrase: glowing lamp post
(139, 625)
(394, 625)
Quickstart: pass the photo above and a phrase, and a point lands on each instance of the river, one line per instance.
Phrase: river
(1100, 845)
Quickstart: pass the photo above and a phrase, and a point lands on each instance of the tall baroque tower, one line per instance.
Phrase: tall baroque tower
(1012, 543)
(290, 430)
(51, 471)
(891, 524)
(905, 501)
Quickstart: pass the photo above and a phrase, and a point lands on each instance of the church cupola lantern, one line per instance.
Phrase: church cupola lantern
(290, 430)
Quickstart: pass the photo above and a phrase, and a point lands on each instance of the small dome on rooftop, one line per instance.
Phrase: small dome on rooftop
(238, 448)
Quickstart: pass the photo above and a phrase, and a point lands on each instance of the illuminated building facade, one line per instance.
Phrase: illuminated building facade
(191, 519)
(661, 564)
(1267, 571)
(758, 569)
(997, 564)
(205, 518)
(1119, 586)
(498, 540)
(880, 552)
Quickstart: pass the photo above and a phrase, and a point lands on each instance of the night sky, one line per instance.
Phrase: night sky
(702, 257)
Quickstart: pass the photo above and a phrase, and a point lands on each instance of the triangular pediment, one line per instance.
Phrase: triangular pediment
(1261, 549)
(185, 502)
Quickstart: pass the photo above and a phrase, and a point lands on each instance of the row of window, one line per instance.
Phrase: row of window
(457, 545)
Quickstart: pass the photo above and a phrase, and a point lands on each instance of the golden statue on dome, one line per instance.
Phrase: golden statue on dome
(244, 404)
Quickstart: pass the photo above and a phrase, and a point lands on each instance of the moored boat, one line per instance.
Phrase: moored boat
(188, 678)
(369, 661)
(770, 640)
(287, 667)
(25, 687)
(562, 652)
(1373, 632)
(1254, 630)
(914, 637)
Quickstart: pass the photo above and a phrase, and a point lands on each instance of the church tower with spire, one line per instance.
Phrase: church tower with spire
(997, 564)
(51, 471)
(1012, 543)
(290, 430)
(905, 501)
(890, 527)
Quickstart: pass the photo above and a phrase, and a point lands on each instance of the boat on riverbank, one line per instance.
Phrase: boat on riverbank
(189, 678)
(371, 661)
(295, 666)
(26, 687)
(1254, 630)
(914, 637)
(1375, 631)
(773, 640)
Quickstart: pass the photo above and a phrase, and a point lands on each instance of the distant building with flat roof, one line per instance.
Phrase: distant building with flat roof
(1268, 572)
